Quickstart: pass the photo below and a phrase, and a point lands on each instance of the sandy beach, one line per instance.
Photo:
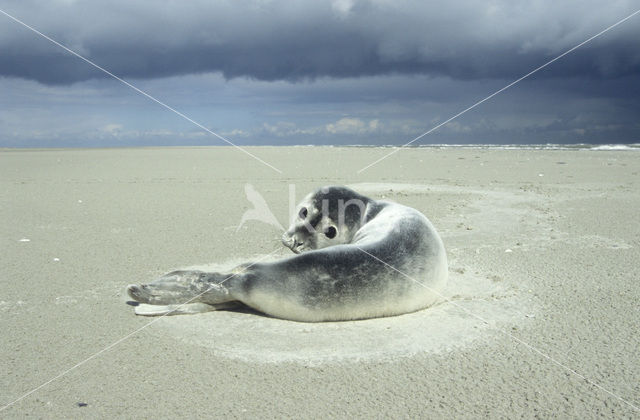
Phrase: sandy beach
(540, 317)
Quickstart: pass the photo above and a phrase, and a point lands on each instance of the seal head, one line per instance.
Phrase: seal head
(328, 216)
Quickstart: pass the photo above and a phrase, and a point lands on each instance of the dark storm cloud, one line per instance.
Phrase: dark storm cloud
(295, 40)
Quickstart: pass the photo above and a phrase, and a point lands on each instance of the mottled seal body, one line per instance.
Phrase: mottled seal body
(356, 258)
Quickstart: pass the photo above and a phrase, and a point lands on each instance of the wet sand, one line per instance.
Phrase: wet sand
(540, 316)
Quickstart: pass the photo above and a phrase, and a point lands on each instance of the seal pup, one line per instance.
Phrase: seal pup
(356, 258)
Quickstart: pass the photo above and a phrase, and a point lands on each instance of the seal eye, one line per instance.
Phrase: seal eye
(303, 213)
(330, 232)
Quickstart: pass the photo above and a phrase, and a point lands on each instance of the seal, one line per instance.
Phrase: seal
(356, 258)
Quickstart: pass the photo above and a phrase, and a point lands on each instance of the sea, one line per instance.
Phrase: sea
(548, 146)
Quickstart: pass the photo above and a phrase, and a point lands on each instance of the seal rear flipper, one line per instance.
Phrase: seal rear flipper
(183, 286)
(181, 309)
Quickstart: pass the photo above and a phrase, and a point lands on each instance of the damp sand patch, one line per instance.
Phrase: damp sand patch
(454, 323)
(475, 303)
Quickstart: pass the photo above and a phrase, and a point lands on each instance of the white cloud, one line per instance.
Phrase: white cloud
(236, 132)
(353, 126)
(113, 129)
(342, 8)
(456, 127)
(286, 129)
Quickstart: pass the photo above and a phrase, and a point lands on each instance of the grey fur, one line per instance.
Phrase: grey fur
(346, 245)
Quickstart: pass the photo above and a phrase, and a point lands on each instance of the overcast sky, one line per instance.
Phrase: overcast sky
(318, 72)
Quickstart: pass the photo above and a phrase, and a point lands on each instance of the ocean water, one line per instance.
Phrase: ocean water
(548, 146)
